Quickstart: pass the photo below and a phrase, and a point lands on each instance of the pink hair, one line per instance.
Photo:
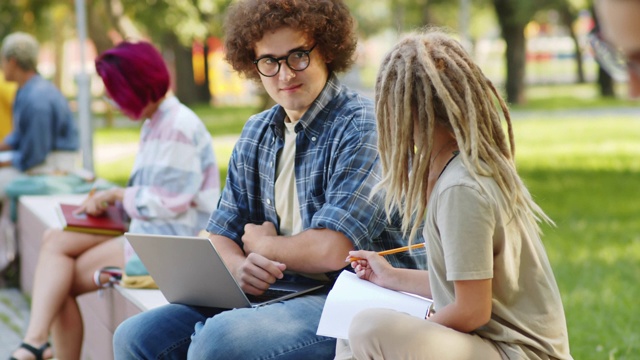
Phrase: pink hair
(134, 75)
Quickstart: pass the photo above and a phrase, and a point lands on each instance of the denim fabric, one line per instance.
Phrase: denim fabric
(42, 122)
(256, 333)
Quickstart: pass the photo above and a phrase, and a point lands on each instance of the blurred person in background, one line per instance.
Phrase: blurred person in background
(173, 188)
(44, 139)
(7, 94)
(617, 40)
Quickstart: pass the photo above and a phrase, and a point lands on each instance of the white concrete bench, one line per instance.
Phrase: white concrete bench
(101, 311)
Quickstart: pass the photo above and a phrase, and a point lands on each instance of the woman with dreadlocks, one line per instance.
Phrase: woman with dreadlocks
(446, 159)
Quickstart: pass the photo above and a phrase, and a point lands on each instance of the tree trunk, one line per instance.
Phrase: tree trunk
(605, 81)
(186, 89)
(567, 17)
(515, 55)
(398, 9)
(426, 13)
(578, 56)
(58, 51)
(97, 28)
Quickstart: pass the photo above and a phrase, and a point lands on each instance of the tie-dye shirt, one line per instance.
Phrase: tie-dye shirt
(175, 181)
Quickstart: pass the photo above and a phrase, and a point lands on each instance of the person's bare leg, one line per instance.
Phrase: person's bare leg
(52, 282)
(67, 328)
(67, 343)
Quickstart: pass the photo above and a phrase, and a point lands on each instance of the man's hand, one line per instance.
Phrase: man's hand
(255, 237)
(257, 273)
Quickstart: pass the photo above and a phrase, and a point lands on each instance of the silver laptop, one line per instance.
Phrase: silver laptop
(189, 270)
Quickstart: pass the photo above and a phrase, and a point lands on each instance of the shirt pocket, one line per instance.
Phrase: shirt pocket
(317, 199)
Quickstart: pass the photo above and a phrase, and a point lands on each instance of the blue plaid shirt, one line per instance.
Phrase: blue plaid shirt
(336, 166)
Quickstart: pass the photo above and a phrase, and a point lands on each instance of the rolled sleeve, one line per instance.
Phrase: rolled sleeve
(349, 208)
(129, 202)
(226, 220)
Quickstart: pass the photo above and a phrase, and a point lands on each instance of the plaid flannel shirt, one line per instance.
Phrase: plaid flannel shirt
(337, 165)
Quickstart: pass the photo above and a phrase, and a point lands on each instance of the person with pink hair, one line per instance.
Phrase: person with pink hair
(173, 187)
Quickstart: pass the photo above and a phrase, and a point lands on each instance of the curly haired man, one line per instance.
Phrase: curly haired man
(297, 196)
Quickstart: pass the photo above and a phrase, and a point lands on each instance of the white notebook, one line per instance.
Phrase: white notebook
(350, 295)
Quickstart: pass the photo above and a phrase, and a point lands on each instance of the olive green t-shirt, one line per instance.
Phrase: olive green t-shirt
(470, 236)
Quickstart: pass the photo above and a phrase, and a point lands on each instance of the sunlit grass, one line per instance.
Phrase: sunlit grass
(603, 143)
(585, 174)
(573, 96)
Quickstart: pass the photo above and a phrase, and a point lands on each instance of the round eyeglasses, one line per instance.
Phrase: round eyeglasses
(613, 60)
(297, 60)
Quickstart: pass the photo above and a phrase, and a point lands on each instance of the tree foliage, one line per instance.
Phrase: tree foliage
(174, 25)
(185, 20)
(25, 15)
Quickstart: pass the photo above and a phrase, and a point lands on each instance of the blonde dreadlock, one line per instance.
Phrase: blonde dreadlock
(427, 78)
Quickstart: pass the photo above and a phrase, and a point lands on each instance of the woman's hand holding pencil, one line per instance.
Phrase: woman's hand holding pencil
(371, 266)
(82, 208)
(391, 251)
(96, 203)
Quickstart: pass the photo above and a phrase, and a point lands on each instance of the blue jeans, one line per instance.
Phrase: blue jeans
(283, 330)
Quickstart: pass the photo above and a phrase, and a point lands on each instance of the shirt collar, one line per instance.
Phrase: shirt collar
(310, 121)
(169, 102)
(29, 83)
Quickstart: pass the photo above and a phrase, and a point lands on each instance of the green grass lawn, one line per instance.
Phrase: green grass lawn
(585, 173)
(572, 96)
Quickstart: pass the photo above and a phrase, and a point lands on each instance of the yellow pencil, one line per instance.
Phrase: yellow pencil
(93, 189)
(393, 251)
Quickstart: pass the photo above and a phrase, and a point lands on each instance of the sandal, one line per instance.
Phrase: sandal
(38, 353)
(115, 275)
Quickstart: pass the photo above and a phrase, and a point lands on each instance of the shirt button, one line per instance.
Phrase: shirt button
(268, 201)
(270, 163)
(314, 138)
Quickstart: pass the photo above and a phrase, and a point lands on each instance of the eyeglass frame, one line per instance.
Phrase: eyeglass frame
(278, 60)
(612, 59)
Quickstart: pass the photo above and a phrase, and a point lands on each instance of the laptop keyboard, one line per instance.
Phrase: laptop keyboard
(270, 294)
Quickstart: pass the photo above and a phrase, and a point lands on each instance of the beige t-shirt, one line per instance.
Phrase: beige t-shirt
(471, 237)
(286, 197)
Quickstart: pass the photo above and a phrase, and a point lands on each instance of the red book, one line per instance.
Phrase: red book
(111, 222)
